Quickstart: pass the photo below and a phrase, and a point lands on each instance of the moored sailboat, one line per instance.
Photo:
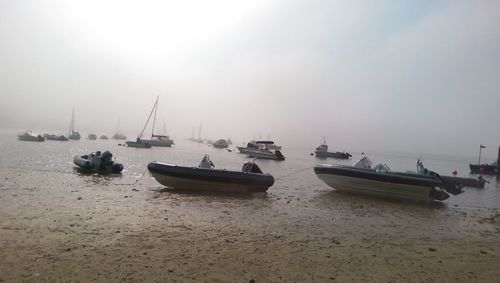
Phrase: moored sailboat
(73, 135)
(156, 140)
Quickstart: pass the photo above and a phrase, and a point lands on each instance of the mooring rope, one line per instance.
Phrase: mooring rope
(136, 181)
(294, 172)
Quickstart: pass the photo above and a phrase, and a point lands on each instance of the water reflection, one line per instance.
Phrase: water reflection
(209, 194)
(96, 178)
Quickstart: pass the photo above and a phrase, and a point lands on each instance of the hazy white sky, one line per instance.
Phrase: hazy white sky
(417, 76)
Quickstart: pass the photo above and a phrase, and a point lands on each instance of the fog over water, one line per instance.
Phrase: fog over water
(419, 76)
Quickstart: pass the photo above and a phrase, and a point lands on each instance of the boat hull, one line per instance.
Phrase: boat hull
(159, 143)
(338, 155)
(55, 138)
(194, 178)
(264, 155)
(387, 185)
(26, 137)
(483, 168)
(138, 144)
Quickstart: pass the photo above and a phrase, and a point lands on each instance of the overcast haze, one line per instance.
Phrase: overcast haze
(413, 76)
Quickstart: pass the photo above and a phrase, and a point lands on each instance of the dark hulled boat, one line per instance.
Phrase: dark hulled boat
(206, 177)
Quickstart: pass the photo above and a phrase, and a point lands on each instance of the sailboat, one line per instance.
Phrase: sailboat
(156, 140)
(118, 135)
(72, 135)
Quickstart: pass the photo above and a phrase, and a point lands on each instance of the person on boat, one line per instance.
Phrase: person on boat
(206, 163)
(95, 159)
(106, 162)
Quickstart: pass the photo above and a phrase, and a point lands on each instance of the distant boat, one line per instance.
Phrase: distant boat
(252, 145)
(322, 152)
(73, 135)
(479, 168)
(30, 136)
(220, 144)
(92, 137)
(55, 137)
(199, 139)
(118, 135)
(488, 169)
(266, 154)
(207, 177)
(156, 140)
(103, 137)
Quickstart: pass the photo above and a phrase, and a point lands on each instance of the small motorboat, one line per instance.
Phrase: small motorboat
(220, 144)
(30, 136)
(361, 178)
(104, 137)
(206, 177)
(266, 154)
(97, 162)
(55, 137)
(119, 136)
(92, 137)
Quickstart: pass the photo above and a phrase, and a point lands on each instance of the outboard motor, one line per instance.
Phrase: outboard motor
(251, 167)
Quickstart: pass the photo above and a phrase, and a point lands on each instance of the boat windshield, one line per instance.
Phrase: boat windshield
(364, 163)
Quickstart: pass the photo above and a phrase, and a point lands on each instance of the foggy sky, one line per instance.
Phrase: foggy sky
(413, 76)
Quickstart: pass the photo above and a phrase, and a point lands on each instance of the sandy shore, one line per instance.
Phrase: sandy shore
(101, 229)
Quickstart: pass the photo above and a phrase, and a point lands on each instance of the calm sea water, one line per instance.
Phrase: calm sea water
(294, 176)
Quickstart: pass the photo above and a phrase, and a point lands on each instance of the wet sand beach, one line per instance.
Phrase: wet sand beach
(85, 228)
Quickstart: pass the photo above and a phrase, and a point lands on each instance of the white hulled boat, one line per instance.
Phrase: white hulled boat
(361, 178)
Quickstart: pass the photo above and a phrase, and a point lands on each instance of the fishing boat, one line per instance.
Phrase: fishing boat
(156, 140)
(73, 135)
(30, 136)
(97, 162)
(488, 169)
(220, 144)
(55, 137)
(322, 152)
(252, 145)
(361, 178)
(207, 177)
(92, 137)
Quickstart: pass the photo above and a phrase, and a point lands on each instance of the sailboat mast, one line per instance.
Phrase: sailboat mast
(118, 125)
(72, 123)
(149, 118)
(199, 132)
(154, 118)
